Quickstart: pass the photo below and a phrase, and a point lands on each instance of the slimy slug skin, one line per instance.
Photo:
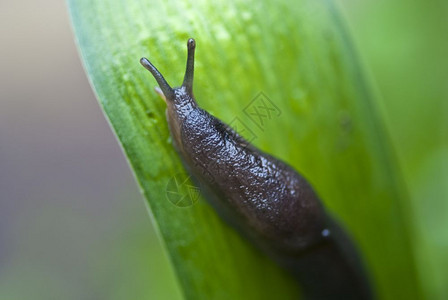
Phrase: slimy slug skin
(265, 199)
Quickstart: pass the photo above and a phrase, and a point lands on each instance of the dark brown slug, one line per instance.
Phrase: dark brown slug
(264, 198)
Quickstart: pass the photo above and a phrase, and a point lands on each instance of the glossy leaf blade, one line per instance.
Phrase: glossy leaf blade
(285, 75)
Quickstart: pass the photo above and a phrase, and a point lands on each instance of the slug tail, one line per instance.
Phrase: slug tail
(164, 86)
(189, 72)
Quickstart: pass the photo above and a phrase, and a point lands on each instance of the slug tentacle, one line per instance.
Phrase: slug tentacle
(189, 72)
(164, 86)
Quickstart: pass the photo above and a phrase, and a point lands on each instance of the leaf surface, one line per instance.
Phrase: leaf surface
(284, 74)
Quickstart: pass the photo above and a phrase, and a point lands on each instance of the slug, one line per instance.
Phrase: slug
(265, 199)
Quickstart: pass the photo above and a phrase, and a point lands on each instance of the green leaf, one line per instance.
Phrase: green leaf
(297, 55)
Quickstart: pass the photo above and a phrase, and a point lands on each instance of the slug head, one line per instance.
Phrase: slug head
(180, 100)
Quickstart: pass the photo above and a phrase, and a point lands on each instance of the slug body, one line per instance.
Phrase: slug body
(264, 198)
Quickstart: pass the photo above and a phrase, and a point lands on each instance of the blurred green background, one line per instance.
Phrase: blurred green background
(72, 222)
